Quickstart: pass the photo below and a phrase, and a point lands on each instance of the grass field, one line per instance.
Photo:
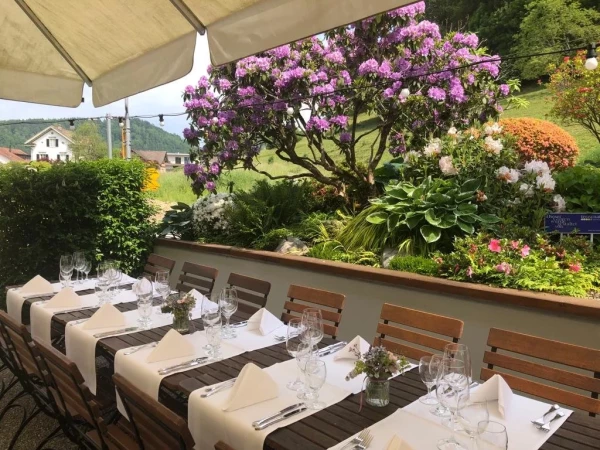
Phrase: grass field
(175, 187)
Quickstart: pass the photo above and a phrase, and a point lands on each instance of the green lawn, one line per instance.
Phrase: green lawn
(540, 103)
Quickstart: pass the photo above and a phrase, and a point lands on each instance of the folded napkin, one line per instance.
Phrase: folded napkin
(106, 317)
(172, 345)
(353, 350)
(201, 300)
(494, 389)
(397, 444)
(263, 321)
(67, 298)
(252, 386)
(37, 285)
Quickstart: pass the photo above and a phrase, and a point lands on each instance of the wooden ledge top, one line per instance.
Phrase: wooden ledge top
(586, 307)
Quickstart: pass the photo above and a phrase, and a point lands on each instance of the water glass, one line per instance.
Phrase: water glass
(470, 415)
(315, 374)
(101, 287)
(213, 337)
(65, 279)
(428, 370)
(144, 307)
(228, 302)
(452, 383)
(491, 436)
(293, 344)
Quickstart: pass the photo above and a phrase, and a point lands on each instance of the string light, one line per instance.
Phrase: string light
(591, 62)
(161, 120)
(121, 124)
(72, 124)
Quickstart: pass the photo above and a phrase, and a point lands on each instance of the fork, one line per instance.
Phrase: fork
(357, 439)
(541, 421)
(365, 444)
(133, 350)
(546, 426)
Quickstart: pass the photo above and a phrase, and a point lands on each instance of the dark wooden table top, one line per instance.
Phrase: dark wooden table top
(318, 431)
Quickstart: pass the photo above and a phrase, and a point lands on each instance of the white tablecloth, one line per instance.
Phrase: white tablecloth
(145, 375)
(251, 340)
(209, 423)
(522, 434)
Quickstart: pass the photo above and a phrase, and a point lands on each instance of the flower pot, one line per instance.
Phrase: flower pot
(181, 323)
(377, 392)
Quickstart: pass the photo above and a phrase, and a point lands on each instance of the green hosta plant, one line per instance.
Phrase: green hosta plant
(434, 211)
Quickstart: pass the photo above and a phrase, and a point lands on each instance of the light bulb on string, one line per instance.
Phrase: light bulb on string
(121, 124)
(161, 120)
(591, 61)
(71, 124)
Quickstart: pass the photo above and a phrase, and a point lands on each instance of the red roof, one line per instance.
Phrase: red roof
(11, 154)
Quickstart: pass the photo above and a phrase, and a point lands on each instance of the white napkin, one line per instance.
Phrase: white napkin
(263, 321)
(67, 298)
(172, 345)
(397, 444)
(353, 349)
(201, 300)
(252, 386)
(494, 389)
(37, 285)
(106, 317)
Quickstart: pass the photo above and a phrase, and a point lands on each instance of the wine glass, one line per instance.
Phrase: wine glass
(66, 267)
(491, 436)
(304, 354)
(228, 301)
(65, 279)
(428, 370)
(315, 373)
(470, 415)
(452, 383)
(78, 263)
(142, 288)
(87, 268)
(100, 287)
(460, 352)
(161, 285)
(293, 344)
(312, 319)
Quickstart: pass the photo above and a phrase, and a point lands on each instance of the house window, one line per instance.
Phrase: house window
(186, 160)
(58, 157)
(41, 157)
(52, 142)
(178, 160)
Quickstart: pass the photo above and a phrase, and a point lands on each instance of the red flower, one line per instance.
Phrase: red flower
(525, 251)
(495, 246)
(575, 267)
(514, 245)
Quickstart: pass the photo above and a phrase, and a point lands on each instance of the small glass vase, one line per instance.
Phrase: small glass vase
(377, 392)
(181, 323)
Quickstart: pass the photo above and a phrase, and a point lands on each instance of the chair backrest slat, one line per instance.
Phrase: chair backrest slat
(196, 276)
(156, 263)
(331, 305)
(24, 354)
(156, 426)
(397, 339)
(252, 293)
(223, 446)
(535, 349)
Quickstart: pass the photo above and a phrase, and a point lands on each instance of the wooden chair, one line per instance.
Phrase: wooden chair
(156, 427)
(223, 446)
(76, 404)
(196, 276)
(252, 292)
(331, 305)
(569, 355)
(156, 263)
(392, 316)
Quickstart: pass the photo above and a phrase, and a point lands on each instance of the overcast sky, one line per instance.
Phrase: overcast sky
(163, 99)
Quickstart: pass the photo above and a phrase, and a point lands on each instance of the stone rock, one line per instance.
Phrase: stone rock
(293, 246)
(389, 253)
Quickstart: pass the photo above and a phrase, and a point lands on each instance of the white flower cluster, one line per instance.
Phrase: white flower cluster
(209, 212)
(447, 167)
(543, 178)
(508, 175)
(559, 203)
(411, 157)
(434, 148)
(492, 145)
(492, 129)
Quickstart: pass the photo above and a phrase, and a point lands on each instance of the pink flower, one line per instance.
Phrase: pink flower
(495, 246)
(525, 251)
(470, 272)
(575, 267)
(514, 245)
(504, 267)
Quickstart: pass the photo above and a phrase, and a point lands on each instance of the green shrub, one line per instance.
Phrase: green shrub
(271, 240)
(335, 251)
(415, 264)
(97, 207)
(580, 187)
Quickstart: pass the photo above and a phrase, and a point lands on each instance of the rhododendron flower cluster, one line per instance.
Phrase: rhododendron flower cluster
(392, 66)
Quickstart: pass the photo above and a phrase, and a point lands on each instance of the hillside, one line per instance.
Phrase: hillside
(144, 135)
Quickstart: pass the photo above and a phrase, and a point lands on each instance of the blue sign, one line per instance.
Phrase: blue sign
(582, 223)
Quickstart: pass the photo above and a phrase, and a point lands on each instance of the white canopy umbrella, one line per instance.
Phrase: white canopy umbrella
(49, 48)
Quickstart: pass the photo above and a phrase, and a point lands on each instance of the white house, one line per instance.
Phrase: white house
(178, 158)
(51, 144)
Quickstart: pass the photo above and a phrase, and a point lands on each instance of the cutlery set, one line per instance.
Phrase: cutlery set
(285, 413)
(115, 332)
(360, 442)
(543, 424)
(137, 348)
(184, 365)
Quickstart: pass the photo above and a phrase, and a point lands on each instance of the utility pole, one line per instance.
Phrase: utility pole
(127, 131)
(109, 135)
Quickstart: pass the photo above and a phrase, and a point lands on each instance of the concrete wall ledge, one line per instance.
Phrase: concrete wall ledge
(559, 304)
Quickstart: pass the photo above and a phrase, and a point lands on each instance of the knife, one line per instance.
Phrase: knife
(280, 418)
(183, 365)
(239, 324)
(332, 348)
(115, 332)
(277, 414)
(219, 388)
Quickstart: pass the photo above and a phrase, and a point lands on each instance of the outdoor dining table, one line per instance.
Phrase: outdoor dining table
(321, 430)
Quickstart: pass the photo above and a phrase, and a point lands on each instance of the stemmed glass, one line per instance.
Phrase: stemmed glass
(303, 356)
(452, 383)
(462, 353)
(102, 283)
(87, 268)
(312, 319)
(142, 288)
(78, 263)
(491, 436)
(161, 285)
(316, 374)
(228, 301)
(66, 269)
(428, 370)
(293, 344)
(470, 415)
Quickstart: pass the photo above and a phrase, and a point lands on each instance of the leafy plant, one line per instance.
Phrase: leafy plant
(335, 251)
(415, 264)
(177, 222)
(580, 187)
(434, 211)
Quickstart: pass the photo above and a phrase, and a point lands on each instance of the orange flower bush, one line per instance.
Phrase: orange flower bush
(542, 140)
